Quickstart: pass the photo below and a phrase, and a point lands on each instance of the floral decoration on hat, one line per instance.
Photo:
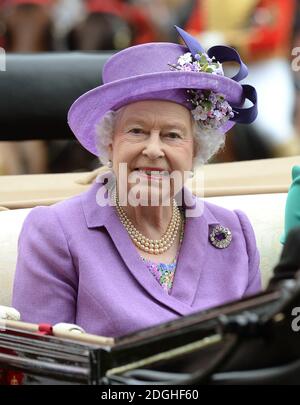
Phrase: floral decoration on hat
(211, 110)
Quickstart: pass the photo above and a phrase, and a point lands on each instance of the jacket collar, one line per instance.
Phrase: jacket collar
(97, 215)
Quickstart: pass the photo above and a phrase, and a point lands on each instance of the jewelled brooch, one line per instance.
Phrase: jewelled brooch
(220, 237)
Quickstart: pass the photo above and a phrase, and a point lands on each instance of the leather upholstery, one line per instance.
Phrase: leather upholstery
(38, 89)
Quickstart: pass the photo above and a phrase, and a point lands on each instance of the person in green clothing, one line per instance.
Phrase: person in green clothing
(292, 207)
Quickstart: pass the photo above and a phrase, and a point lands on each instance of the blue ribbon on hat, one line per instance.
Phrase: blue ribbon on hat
(222, 54)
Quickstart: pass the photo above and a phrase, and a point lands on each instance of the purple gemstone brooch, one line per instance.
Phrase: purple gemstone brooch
(220, 237)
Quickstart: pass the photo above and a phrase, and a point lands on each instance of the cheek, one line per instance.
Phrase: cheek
(123, 150)
(182, 155)
(189, 150)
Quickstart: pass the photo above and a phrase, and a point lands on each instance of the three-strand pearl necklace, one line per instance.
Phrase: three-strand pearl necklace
(154, 246)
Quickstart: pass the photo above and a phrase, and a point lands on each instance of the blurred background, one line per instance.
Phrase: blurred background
(265, 32)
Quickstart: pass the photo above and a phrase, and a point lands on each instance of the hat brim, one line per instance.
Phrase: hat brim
(89, 108)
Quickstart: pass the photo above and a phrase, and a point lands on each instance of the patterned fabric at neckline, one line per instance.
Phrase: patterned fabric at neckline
(164, 273)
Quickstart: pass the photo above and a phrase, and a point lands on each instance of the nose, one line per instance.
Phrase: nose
(154, 147)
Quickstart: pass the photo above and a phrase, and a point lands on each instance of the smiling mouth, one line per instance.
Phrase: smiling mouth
(157, 173)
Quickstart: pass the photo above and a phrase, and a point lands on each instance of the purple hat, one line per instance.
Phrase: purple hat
(165, 71)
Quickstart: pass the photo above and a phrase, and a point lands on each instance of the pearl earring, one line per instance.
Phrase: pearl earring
(109, 164)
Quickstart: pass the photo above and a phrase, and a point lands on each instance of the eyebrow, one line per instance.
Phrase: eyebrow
(177, 125)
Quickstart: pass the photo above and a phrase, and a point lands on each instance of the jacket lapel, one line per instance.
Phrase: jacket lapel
(192, 255)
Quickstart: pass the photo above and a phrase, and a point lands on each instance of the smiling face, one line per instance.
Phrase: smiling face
(152, 136)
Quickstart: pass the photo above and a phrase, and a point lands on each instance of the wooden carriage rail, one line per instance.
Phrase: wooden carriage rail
(236, 178)
(85, 338)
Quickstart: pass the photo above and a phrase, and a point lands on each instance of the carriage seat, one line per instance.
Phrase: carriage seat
(265, 211)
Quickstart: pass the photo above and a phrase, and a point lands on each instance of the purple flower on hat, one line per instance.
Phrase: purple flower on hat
(199, 113)
(200, 62)
(211, 109)
(188, 67)
(214, 58)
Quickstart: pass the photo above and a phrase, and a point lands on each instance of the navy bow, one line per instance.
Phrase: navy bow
(227, 54)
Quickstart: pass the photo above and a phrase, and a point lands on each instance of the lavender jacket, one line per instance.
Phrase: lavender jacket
(77, 264)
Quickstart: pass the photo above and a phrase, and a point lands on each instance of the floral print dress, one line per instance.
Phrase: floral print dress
(164, 273)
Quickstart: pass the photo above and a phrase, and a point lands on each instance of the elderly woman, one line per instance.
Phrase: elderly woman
(134, 250)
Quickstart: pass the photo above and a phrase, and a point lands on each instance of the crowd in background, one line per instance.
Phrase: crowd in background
(263, 31)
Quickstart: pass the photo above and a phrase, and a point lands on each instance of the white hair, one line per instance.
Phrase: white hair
(207, 141)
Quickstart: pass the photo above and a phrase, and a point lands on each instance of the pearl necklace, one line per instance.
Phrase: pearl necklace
(154, 246)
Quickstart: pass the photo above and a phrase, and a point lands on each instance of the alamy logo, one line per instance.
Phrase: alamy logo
(296, 60)
(161, 186)
(2, 60)
(296, 322)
